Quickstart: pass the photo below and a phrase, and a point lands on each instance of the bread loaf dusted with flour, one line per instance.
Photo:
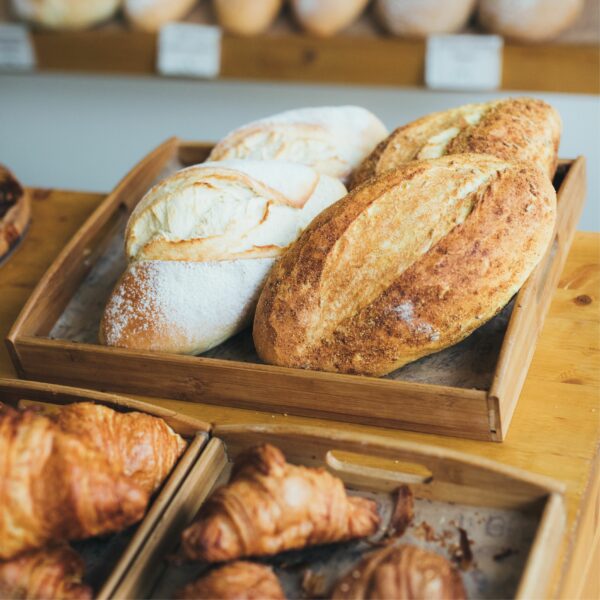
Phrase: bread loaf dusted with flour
(333, 140)
(324, 18)
(151, 15)
(405, 265)
(512, 129)
(65, 14)
(200, 245)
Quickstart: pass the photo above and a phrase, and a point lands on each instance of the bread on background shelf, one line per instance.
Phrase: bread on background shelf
(151, 15)
(246, 17)
(65, 14)
(324, 18)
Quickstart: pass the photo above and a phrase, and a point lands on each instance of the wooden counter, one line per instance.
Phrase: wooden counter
(556, 427)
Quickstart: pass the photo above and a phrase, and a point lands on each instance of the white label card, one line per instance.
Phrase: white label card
(189, 50)
(16, 49)
(464, 62)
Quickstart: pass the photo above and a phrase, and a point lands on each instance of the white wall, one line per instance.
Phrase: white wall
(86, 132)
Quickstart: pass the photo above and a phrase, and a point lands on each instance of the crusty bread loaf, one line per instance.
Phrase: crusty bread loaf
(331, 139)
(151, 15)
(324, 18)
(246, 17)
(65, 14)
(201, 244)
(405, 265)
(420, 18)
(529, 20)
(15, 211)
(512, 129)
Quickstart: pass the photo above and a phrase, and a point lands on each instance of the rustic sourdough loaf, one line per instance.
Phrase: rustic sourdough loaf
(324, 18)
(65, 14)
(331, 139)
(246, 17)
(151, 15)
(200, 245)
(405, 265)
(512, 129)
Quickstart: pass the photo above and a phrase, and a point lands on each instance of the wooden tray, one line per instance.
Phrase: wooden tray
(26, 393)
(448, 481)
(431, 395)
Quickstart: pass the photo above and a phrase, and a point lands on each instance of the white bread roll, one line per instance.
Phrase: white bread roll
(151, 15)
(420, 18)
(529, 20)
(65, 14)
(246, 17)
(333, 140)
(324, 18)
(201, 244)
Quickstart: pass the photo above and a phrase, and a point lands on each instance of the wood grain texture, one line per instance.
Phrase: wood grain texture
(555, 429)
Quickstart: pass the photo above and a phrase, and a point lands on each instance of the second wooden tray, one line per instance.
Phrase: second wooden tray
(470, 390)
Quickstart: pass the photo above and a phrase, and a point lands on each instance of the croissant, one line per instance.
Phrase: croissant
(142, 447)
(271, 506)
(50, 574)
(239, 580)
(54, 487)
(404, 573)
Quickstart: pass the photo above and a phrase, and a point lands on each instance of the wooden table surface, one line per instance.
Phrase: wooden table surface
(556, 427)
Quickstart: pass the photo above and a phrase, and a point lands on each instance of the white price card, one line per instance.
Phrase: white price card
(189, 50)
(16, 49)
(464, 62)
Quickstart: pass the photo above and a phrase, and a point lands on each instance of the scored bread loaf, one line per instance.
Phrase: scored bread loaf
(201, 244)
(151, 15)
(331, 139)
(405, 265)
(326, 17)
(246, 17)
(513, 129)
(65, 14)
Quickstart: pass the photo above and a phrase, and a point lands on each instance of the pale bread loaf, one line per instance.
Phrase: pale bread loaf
(529, 20)
(333, 140)
(151, 15)
(512, 129)
(65, 14)
(201, 243)
(324, 18)
(405, 265)
(246, 17)
(420, 18)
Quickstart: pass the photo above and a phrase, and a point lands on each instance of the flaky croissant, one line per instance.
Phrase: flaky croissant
(239, 580)
(141, 446)
(403, 573)
(54, 487)
(50, 574)
(270, 506)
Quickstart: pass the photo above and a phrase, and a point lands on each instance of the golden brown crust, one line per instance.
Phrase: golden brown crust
(524, 129)
(240, 580)
(50, 574)
(270, 506)
(406, 265)
(142, 447)
(55, 488)
(404, 573)
(15, 211)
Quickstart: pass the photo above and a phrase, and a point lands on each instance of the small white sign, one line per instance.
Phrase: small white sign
(464, 62)
(189, 50)
(16, 49)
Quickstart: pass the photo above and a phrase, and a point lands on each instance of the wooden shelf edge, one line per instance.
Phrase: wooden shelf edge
(365, 60)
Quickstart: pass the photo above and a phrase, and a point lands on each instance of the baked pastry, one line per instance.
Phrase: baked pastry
(403, 573)
(270, 506)
(529, 20)
(65, 14)
(420, 18)
(406, 265)
(142, 447)
(15, 211)
(55, 488)
(246, 17)
(52, 573)
(201, 244)
(240, 580)
(324, 18)
(151, 15)
(333, 140)
(512, 129)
